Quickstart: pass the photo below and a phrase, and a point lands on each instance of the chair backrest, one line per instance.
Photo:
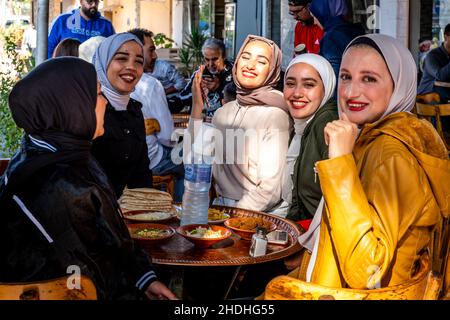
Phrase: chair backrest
(422, 286)
(431, 97)
(55, 289)
(425, 110)
(180, 120)
(436, 111)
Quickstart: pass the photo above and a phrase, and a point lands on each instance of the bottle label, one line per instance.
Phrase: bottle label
(198, 173)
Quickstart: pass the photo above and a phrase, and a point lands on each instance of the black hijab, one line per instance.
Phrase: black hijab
(55, 105)
(56, 101)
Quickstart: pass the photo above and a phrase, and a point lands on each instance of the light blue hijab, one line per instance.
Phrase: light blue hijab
(101, 60)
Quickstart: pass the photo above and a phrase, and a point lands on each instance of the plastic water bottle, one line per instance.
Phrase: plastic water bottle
(197, 181)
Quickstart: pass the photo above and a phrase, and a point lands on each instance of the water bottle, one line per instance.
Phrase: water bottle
(197, 181)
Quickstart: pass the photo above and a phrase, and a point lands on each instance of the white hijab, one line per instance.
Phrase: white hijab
(325, 70)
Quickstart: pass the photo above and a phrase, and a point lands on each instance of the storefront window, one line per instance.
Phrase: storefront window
(205, 17)
(367, 13)
(441, 17)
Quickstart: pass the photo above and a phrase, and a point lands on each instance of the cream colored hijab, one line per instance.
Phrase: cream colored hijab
(402, 68)
(325, 70)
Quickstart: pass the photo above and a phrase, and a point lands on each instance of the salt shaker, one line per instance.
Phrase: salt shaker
(259, 243)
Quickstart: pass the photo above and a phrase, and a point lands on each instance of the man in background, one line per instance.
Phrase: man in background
(216, 76)
(81, 24)
(171, 79)
(306, 31)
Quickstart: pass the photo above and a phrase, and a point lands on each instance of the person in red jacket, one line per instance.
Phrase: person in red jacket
(306, 31)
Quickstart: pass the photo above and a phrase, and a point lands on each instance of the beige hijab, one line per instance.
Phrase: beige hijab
(265, 95)
(402, 68)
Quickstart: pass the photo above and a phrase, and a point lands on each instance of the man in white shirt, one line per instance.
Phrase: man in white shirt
(171, 79)
(150, 92)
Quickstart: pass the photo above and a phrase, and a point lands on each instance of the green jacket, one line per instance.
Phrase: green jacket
(307, 193)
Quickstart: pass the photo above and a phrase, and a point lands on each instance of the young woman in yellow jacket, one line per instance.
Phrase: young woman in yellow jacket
(385, 184)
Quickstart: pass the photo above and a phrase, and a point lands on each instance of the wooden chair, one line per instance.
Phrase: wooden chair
(431, 97)
(164, 183)
(423, 286)
(56, 289)
(435, 112)
(180, 120)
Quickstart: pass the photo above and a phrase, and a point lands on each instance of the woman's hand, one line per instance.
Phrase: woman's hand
(211, 83)
(197, 96)
(158, 291)
(340, 137)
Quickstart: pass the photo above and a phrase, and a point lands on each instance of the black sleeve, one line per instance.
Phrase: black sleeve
(141, 176)
(186, 93)
(81, 227)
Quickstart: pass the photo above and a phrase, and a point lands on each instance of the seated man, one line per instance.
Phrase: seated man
(159, 128)
(171, 79)
(216, 76)
(437, 68)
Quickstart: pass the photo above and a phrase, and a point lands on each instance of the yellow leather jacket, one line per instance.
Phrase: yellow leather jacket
(382, 204)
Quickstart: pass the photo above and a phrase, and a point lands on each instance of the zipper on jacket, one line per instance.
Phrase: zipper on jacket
(315, 173)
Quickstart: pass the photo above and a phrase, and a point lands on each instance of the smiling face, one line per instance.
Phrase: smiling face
(303, 90)
(126, 67)
(365, 85)
(253, 65)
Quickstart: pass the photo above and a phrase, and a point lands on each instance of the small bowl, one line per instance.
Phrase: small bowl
(238, 224)
(133, 228)
(203, 242)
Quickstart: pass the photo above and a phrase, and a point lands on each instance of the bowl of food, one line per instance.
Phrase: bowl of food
(150, 233)
(245, 227)
(217, 216)
(204, 235)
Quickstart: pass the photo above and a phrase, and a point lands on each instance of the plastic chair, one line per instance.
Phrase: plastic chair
(55, 289)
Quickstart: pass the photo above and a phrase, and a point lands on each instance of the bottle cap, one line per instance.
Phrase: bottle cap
(261, 230)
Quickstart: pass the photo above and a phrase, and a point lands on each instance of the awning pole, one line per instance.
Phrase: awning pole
(42, 31)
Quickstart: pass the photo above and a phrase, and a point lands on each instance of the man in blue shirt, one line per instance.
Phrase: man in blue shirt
(436, 67)
(81, 24)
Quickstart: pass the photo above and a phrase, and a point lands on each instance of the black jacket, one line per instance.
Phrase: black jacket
(436, 68)
(214, 97)
(81, 227)
(307, 193)
(122, 150)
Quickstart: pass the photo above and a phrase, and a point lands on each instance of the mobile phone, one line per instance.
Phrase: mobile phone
(207, 76)
(278, 237)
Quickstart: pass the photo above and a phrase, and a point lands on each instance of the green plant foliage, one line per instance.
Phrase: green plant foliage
(191, 52)
(19, 65)
(162, 41)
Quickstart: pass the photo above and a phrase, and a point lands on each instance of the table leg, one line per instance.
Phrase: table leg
(177, 281)
(233, 280)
